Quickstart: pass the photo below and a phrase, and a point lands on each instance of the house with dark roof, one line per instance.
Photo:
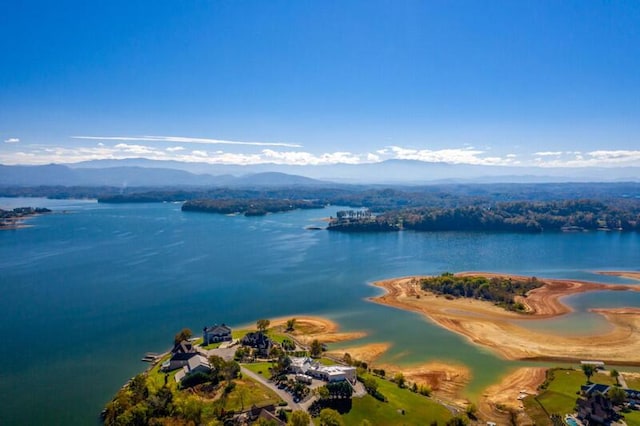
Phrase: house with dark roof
(596, 409)
(183, 347)
(216, 333)
(594, 388)
(258, 341)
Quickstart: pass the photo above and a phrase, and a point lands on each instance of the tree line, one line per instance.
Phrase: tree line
(499, 290)
(518, 216)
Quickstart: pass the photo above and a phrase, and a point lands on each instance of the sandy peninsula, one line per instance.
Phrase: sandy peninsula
(625, 274)
(308, 328)
(497, 329)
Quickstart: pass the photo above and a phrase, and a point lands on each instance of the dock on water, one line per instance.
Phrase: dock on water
(151, 357)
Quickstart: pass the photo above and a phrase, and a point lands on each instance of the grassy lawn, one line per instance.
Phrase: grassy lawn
(418, 410)
(632, 382)
(326, 361)
(277, 336)
(212, 345)
(535, 411)
(249, 392)
(632, 418)
(560, 397)
(155, 377)
(261, 368)
(239, 334)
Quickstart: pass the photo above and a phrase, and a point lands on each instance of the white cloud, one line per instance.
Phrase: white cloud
(44, 154)
(183, 139)
(548, 153)
(467, 155)
(598, 158)
(12, 140)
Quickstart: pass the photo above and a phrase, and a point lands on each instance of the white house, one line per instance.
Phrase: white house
(328, 373)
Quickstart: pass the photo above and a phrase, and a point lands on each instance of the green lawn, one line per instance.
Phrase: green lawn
(632, 382)
(249, 392)
(326, 361)
(212, 345)
(535, 411)
(418, 410)
(261, 368)
(632, 418)
(239, 334)
(560, 397)
(155, 377)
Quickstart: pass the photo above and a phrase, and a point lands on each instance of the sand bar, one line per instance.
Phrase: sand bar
(493, 327)
(624, 274)
(308, 328)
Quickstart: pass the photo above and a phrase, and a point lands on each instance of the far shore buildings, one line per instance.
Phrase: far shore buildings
(329, 373)
(216, 333)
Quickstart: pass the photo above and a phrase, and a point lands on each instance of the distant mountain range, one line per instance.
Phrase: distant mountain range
(134, 176)
(144, 172)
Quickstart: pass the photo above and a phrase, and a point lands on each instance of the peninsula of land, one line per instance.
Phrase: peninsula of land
(501, 330)
(13, 219)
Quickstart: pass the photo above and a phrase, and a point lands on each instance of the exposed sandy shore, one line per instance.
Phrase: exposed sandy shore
(500, 400)
(624, 274)
(307, 328)
(368, 352)
(493, 327)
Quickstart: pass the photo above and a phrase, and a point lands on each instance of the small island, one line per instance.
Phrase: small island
(489, 310)
(249, 207)
(13, 219)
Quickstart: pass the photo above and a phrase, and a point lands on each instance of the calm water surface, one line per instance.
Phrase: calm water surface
(88, 290)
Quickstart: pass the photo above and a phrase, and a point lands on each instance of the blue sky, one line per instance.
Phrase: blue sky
(552, 83)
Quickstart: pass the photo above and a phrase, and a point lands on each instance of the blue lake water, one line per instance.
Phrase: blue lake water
(88, 290)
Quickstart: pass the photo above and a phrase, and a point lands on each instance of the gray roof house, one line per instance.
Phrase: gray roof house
(216, 333)
(196, 364)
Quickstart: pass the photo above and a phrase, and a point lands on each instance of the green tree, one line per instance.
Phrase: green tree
(299, 418)
(263, 324)
(457, 421)
(347, 358)
(399, 380)
(365, 422)
(323, 392)
(184, 334)
(472, 412)
(617, 395)
(371, 385)
(316, 348)
(330, 417)
(291, 324)
(588, 371)
(616, 375)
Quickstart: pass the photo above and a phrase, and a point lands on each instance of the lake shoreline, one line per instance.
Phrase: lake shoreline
(490, 326)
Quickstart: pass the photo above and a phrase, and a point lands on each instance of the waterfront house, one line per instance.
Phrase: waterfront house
(259, 341)
(196, 364)
(177, 360)
(216, 333)
(329, 373)
(596, 409)
(183, 347)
